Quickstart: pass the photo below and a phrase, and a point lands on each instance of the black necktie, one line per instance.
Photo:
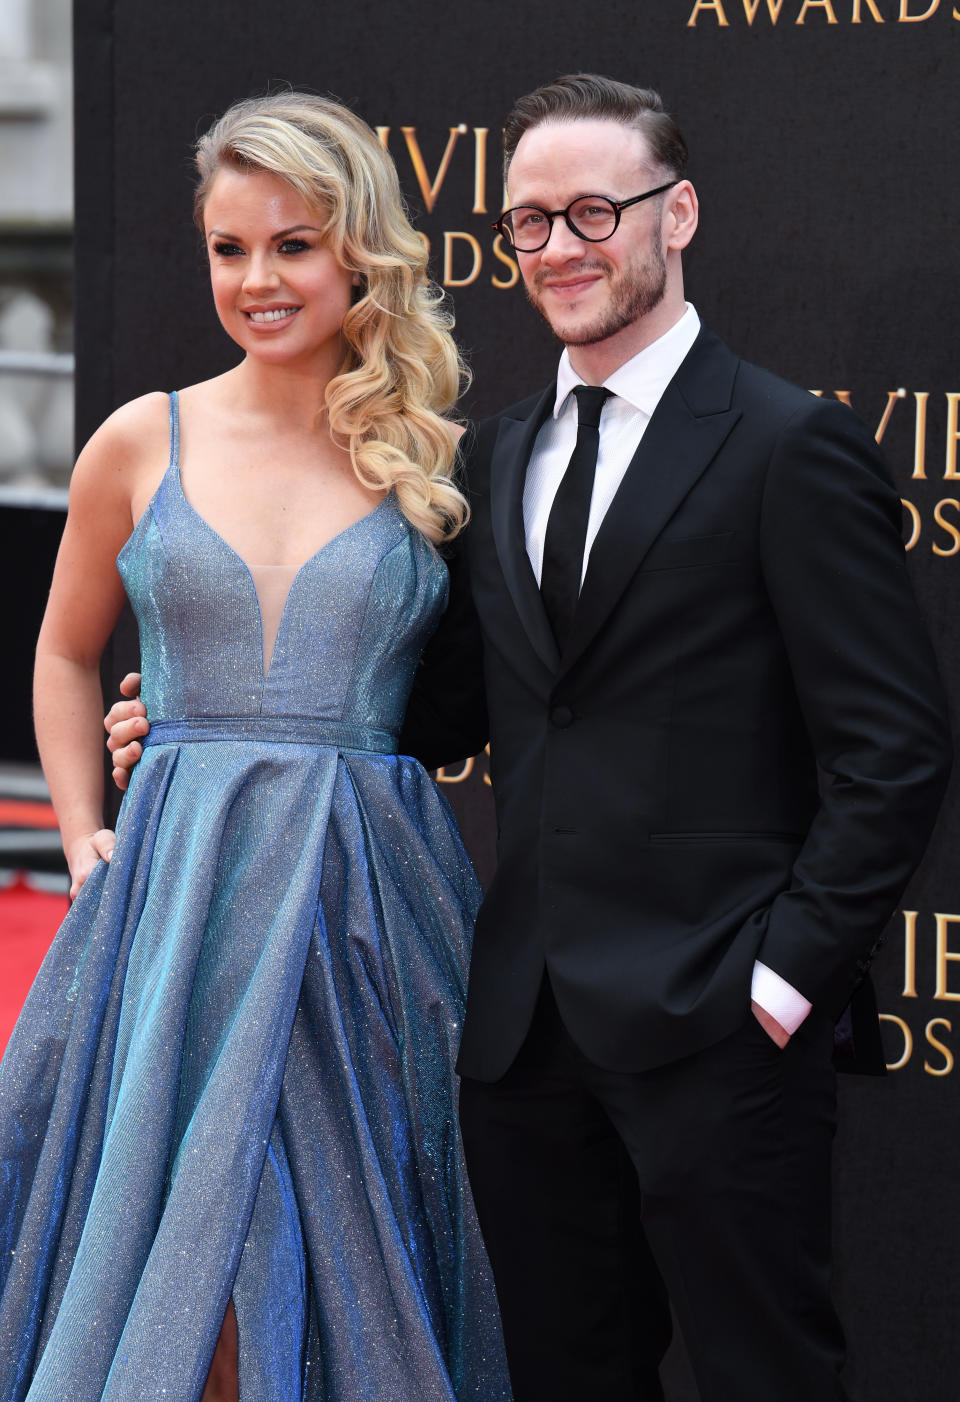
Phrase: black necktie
(566, 535)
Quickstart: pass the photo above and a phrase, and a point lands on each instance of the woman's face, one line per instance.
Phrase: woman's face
(279, 291)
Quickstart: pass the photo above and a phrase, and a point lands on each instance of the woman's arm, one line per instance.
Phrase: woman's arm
(85, 600)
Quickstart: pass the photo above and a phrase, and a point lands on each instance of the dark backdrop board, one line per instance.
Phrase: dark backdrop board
(30, 537)
(822, 136)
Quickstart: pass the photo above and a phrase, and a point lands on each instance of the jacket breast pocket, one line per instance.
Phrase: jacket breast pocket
(671, 839)
(691, 550)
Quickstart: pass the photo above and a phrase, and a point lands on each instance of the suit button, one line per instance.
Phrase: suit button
(561, 717)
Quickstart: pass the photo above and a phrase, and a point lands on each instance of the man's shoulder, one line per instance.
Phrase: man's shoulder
(764, 387)
(800, 429)
(759, 391)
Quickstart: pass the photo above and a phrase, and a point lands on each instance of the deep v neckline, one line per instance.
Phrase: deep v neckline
(298, 569)
(174, 471)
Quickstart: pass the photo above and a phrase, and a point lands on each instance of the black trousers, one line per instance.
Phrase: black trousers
(600, 1193)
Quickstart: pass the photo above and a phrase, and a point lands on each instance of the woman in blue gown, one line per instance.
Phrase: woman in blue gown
(230, 1159)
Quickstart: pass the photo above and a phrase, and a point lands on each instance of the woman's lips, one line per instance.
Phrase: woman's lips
(270, 317)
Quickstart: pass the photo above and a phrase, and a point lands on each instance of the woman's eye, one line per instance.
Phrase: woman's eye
(227, 250)
(293, 245)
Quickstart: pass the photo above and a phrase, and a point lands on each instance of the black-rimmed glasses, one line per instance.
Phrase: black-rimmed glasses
(527, 228)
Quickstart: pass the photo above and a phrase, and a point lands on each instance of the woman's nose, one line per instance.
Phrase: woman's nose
(260, 272)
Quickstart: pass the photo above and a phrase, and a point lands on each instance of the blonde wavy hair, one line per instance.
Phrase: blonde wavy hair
(401, 373)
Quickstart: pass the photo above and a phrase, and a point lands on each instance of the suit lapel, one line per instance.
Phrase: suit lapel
(511, 453)
(685, 433)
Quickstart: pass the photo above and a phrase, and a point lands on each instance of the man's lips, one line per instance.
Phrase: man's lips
(570, 286)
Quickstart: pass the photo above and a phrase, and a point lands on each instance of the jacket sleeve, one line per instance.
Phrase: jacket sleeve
(834, 568)
(446, 717)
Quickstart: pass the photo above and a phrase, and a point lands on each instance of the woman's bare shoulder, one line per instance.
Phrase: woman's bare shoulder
(133, 432)
(140, 429)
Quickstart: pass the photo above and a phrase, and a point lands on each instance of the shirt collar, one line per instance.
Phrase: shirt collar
(642, 379)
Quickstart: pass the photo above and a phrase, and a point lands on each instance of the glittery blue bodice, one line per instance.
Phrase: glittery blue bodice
(232, 1079)
(355, 621)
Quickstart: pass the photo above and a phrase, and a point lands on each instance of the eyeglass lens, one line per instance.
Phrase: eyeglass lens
(592, 218)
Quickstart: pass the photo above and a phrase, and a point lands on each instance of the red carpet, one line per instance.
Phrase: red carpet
(28, 921)
(26, 813)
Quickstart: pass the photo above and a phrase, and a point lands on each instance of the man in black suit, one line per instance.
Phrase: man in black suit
(692, 596)
(718, 745)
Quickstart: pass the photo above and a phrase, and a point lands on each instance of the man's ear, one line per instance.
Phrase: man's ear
(681, 215)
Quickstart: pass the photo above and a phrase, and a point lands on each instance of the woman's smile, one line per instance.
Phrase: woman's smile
(271, 318)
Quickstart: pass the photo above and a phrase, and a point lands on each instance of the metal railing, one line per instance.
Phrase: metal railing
(54, 364)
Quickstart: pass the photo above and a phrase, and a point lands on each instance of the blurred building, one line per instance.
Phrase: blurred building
(36, 219)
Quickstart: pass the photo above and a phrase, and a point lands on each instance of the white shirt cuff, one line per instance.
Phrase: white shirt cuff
(778, 998)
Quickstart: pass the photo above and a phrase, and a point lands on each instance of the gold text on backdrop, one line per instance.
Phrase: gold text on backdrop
(463, 252)
(935, 959)
(444, 776)
(945, 541)
(826, 11)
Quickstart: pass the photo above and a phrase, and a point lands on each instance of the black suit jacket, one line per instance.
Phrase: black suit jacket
(740, 752)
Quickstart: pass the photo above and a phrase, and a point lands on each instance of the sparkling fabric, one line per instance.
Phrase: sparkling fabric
(233, 1075)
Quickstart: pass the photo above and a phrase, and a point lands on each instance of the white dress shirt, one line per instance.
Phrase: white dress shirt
(635, 389)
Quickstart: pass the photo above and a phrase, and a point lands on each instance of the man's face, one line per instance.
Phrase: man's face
(588, 292)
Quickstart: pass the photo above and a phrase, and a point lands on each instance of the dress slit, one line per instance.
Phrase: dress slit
(223, 1380)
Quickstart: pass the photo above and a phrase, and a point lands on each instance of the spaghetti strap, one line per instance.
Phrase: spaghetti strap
(174, 429)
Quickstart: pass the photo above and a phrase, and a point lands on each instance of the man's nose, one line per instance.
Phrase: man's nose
(563, 245)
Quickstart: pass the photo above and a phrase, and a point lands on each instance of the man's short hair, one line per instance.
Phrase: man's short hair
(582, 96)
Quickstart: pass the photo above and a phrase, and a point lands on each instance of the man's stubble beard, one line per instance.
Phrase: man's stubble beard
(634, 293)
